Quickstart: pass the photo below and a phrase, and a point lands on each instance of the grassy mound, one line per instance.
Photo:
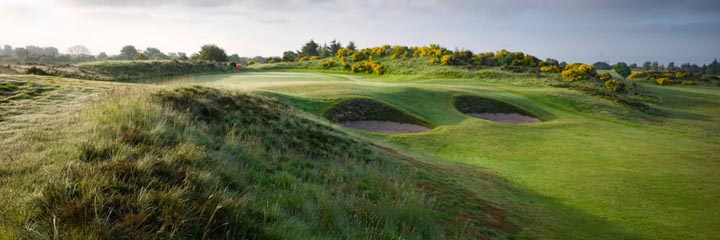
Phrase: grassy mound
(474, 104)
(363, 109)
(203, 163)
(137, 71)
(129, 71)
(12, 90)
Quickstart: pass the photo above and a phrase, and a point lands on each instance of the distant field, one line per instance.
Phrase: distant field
(592, 169)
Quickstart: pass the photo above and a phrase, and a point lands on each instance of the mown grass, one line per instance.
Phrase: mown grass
(595, 169)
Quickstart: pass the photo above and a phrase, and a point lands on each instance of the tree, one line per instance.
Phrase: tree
(713, 68)
(335, 46)
(602, 66)
(212, 52)
(289, 56)
(671, 66)
(351, 46)
(102, 56)
(310, 48)
(22, 53)
(234, 58)
(154, 53)
(182, 56)
(78, 51)
(325, 51)
(647, 65)
(128, 52)
(622, 69)
(7, 51)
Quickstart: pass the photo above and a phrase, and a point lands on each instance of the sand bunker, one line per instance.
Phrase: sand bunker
(384, 127)
(493, 110)
(370, 115)
(505, 117)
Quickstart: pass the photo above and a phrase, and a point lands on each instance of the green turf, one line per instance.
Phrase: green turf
(593, 169)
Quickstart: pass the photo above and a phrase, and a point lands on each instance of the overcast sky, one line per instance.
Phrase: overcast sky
(570, 30)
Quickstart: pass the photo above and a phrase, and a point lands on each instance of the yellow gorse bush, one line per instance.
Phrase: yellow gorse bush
(578, 71)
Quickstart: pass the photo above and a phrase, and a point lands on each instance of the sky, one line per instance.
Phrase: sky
(567, 30)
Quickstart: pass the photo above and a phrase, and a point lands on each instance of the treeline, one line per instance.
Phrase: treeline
(79, 53)
(711, 69)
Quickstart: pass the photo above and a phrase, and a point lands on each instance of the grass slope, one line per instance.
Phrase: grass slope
(197, 162)
(617, 172)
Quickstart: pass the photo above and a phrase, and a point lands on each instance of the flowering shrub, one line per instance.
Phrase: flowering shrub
(578, 71)
(615, 85)
(307, 58)
(446, 59)
(399, 52)
(328, 63)
(550, 69)
(636, 75)
(368, 67)
(605, 77)
(664, 81)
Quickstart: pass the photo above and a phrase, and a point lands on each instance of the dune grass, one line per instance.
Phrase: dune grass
(196, 162)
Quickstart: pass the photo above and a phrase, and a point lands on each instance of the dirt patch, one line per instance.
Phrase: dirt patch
(505, 117)
(384, 127)
(493, 110)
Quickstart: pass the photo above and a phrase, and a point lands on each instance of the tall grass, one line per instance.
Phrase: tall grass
(204, 163)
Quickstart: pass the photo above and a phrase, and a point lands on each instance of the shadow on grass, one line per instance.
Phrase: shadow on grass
(506, 207)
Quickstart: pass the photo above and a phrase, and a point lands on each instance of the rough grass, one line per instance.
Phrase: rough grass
(151, 71)
(197, 162)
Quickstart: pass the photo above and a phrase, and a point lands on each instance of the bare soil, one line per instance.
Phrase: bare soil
(506, 117)
(384, 126)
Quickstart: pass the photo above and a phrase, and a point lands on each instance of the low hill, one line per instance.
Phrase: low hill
(196, 162)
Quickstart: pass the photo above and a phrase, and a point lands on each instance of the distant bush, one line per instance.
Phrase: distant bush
(328, 63)
(605, 77)
(615, 85)
(664, 81)
(636, 75)
(141, 56)
(446, 59)
(578, 71)
(623, 69)
(233, 64)
(36, 71)
(688, 82)
(550, 69)
(307, 58)
(368, 67)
